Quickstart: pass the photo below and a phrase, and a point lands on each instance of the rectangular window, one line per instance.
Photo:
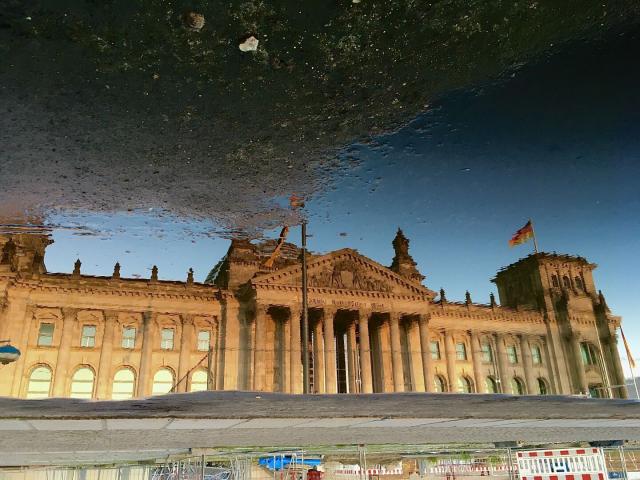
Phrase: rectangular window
(588, 354)
(487, 353)
(435, 350)
(45, 335)
(167, 339)
(536, 355)
(204, 340)
(129, 337)
(461, 351)
(88, 336)
(512, 354)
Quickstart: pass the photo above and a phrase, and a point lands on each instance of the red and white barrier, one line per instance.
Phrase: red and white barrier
(564, 464)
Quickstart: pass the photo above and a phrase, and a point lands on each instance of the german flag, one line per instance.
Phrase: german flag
(278, 247)
(522, 235)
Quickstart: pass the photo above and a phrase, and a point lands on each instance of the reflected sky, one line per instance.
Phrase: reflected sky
(557, 141)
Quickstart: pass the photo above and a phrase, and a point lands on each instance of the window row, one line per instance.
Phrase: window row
(578, 283)
(487, 353)
(123, 384)
(465, 385)
(129, 335)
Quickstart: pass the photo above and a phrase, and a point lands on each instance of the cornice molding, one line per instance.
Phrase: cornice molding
(118, 288)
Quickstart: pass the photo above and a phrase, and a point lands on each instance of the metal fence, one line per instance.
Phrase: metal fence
(622, 463)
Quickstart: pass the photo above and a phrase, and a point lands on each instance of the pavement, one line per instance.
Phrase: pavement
(67, 431)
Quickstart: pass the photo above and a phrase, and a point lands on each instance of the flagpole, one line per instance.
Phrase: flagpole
(633, 377)
(630, 361)
(535, 242)
(305, 313)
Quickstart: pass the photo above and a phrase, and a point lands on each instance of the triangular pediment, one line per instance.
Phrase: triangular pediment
(347, 270)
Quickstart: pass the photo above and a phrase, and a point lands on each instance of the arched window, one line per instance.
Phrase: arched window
(162, 382)
(579, 284)
(39, 382)
(440, 383)
(554, 281)
(199, 381)
(492, 385)
(566, 283)
(124, 384)
(517, 386)
(82, 383)
(543, 389)
(465, 385)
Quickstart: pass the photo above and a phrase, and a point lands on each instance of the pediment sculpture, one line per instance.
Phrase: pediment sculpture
(347, 274)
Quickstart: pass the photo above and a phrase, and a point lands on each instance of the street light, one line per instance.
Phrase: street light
(8, 353)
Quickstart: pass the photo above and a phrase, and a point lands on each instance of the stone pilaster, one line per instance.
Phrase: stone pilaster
(365, 353)
(144, 374)
(61, 374)
(213, 374)
(22, 343)
(329, 351)
(187, 337)
(450, 353)
(476, 358)
(296, 351)
(425, 352)
(105, 376)
(231, 350)
(525, 351)
(617, 366)
(503, 381)
(396, 352)
(578, 363)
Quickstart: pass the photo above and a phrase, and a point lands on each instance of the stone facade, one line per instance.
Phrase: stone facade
(372, 328)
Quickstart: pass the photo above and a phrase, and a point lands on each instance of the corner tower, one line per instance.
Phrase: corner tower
(581, 331)
(23, 253)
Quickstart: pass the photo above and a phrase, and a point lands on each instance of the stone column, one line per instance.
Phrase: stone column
(365, 353)
(318, 357)
(329, 351)
(61, 375)
(396, 353)
(259, 369)
(186, 345)
(351, 357)
(450, 353)
(425, 351)
(501, 353)
(282, 345)
(105, 377)
(296, 351)
(476, 357)
(579, 364)
(383, 333)
(525, 351)
(145, 374)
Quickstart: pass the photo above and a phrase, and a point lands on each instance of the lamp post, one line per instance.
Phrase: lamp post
(8, 353)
